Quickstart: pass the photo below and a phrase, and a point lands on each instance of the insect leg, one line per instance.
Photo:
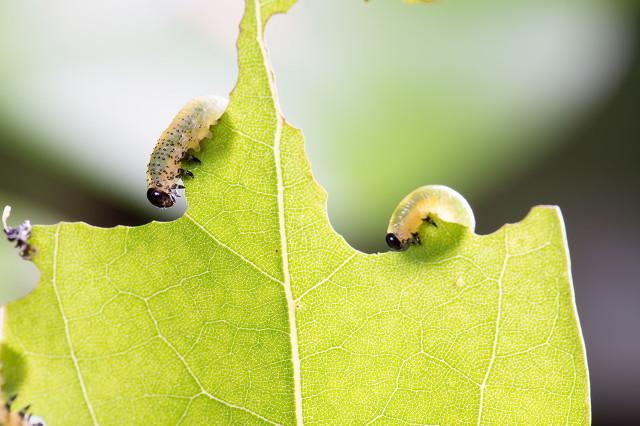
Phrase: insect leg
(22, 413)
(430, 220)
(192, 158)
(416, 238)
(7, 405)
(183, 172)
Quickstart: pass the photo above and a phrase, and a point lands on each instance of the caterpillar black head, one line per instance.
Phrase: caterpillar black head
(396, 243)
(160, 198)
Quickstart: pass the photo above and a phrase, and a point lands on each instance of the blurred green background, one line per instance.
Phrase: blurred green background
(512, 103)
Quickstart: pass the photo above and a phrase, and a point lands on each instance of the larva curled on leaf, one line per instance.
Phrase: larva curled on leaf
(185, 133)
(426, 204)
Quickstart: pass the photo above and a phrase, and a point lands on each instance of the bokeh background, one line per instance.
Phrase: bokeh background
(513, 103)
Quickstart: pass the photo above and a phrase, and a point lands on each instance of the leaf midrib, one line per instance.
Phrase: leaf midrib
(291, 303)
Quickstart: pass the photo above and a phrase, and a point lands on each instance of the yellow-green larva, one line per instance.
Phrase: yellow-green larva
(189, 127)
(424, 205)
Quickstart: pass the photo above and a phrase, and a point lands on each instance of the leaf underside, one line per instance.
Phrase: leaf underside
(250, 309)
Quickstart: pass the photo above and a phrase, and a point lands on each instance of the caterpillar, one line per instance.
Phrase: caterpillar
(426, 204)
(185, 133)
(20, 234)
(18, 418)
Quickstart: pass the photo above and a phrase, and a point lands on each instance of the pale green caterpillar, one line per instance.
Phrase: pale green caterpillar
(189, 127)
(425, 204)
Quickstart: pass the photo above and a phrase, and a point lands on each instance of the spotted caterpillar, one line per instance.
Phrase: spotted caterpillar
(183, 136)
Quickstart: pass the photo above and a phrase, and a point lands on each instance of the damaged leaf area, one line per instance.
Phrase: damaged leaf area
(250, 309)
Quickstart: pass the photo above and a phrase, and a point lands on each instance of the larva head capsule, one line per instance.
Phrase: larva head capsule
(395, 243)
(160, 198)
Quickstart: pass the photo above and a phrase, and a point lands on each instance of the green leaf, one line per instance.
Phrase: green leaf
(250, 309)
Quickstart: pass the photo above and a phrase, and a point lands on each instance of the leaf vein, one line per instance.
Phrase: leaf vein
(193, 375)
(498, 318)
(65, 320)
(291, 304)
(221, 244)
(327, 278)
